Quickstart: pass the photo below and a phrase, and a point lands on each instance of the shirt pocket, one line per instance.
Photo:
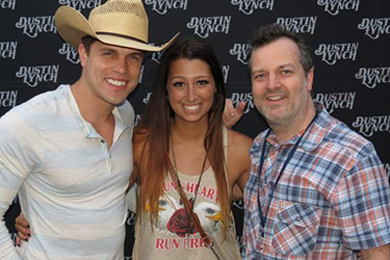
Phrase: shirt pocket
(295, 229)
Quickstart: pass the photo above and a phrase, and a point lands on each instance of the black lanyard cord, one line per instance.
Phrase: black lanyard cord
(262, 158)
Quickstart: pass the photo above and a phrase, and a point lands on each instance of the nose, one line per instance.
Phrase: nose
(120, 66)
(191, 92)
(274, 82)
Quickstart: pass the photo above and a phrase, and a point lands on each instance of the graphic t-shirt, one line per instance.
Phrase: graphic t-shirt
(173, 236)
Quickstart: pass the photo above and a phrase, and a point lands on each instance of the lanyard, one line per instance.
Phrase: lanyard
(263, 217)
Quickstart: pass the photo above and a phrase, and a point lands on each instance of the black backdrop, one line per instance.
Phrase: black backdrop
(350, 42)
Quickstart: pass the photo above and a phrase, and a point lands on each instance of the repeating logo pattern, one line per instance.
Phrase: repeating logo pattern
(375, 27)
(368, 125)
(70, 53)
(8, 4)
(204, 26)
(331, 53)
(81, 4)
(33, 75)
(8, 98)
(246, 97)
(249, 6)
(333, 101)
(371, 77)
(33, 26)
(333, 7)
(305, 24)
(8, 50)
(242, 51)
(163, 6)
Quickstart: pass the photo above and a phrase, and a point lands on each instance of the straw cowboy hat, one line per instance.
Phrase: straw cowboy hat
(122, 23)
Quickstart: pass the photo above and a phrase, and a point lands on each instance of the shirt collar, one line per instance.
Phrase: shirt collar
(88, 129)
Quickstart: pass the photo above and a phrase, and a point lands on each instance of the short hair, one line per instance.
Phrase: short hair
(270, 33)
(87, 41)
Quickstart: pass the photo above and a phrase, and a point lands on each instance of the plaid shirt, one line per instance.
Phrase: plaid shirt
(332, 199)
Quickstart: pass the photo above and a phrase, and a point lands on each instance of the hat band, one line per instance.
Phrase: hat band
(120, 35)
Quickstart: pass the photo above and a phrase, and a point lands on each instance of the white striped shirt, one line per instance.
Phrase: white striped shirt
(72, 188)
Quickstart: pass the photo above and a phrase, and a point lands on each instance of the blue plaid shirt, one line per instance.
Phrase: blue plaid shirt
(332, 200)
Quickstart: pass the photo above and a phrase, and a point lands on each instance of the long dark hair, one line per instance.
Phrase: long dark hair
(153, 133)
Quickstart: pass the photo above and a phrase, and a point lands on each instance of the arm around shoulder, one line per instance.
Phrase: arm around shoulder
(239, 158)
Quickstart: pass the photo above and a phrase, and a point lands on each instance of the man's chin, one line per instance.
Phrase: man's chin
(121, 103)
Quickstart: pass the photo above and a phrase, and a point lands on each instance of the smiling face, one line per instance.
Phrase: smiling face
(280, 87)
(191, 89)
(110, 73)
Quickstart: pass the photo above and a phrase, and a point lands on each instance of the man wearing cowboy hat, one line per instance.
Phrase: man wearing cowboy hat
(68, 151)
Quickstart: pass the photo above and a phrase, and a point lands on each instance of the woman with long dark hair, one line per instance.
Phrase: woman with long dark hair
(186, 162)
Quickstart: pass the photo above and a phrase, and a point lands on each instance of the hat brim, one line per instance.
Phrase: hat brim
(72, 26)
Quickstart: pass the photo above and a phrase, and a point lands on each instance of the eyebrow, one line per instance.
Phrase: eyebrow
(286, 65)
(282, 66)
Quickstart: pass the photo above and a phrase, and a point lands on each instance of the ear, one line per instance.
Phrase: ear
(309, 79)
(83, 55)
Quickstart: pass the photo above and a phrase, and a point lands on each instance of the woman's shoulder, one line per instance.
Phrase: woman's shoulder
(237, 139)
(238, 145)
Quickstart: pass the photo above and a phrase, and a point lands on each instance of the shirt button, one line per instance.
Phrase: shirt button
(102, 141)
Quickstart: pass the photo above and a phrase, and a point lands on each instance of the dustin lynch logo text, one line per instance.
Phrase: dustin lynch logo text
(369, 125)
(8, 4)
(8, 50)
(249, 6)
(305, 24)
(375, 27)
(70, 53)
(32, 26)
(241, 50)
(203, 26)
(8, 98)
(81, 4)
(331, 53)
(225, 73)
(371, 77)
(163, 6)
(333, 101)
(333, 7)
(34, 75)
(246, 97)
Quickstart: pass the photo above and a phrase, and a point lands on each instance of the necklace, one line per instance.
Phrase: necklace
(177, 174)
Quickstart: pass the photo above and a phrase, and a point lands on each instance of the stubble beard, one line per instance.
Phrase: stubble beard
(284, 119)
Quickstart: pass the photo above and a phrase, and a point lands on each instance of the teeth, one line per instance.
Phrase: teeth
(191, 107)
(116, 82)
(274, 98)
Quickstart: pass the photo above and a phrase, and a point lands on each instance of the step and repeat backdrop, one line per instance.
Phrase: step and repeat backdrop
(350, 42)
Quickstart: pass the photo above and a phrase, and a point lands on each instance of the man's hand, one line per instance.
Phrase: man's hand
(378, 253)
(23, 229)
(232, 115)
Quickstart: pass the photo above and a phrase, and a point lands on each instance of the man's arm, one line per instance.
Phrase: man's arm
(16, 160)
(378, 253)
(364, 184)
